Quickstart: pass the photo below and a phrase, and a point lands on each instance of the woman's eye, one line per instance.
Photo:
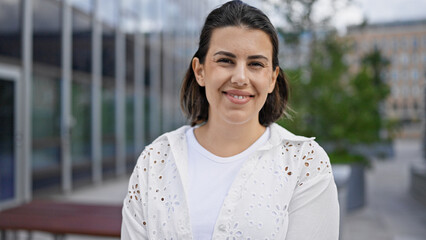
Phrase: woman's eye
(257, 64)
(224, 60)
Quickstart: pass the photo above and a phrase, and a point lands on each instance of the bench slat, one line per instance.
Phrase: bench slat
(64, 218)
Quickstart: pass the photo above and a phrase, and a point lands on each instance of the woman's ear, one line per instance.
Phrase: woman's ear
(274, 79)
(198, 69)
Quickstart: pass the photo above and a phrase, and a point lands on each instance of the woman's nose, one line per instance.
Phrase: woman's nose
(240, 75)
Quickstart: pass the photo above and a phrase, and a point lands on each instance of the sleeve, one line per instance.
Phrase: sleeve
(134, 224)
(314, 207)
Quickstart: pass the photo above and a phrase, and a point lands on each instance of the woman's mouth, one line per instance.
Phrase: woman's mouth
(237, 96)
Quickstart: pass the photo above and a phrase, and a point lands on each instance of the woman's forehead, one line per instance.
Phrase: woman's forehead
(240, 40)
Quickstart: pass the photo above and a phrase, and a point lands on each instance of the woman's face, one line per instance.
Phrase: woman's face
(237, 74)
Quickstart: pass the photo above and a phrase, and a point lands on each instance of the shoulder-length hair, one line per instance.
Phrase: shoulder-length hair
(193, 98)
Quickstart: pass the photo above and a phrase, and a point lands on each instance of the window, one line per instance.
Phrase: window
(46, 108)
(424, 41)
(415, 43)
(83, 5)
(403, 58)
(395, 44)
(8, 159)
(10, 29)
(81, 41)
(81, 91)
(109, 12)
(80, 131)
(109, 18)
(414, 58)
(414, 74)
(130, 19)
(403, 91)
(402, 43)
(395, 91)
(394, 76)
(415, 106)
(46, 129)
(395, 106)
(416, 91)
(47, 32)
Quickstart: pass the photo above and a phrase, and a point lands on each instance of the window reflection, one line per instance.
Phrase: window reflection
(10, 29)
(80, 132)
(108, 126)
(81, 93)
(130, 105)
(46, 129)
(46, 32)
(130, 21)
(83, 5)
(81, 41)
(109, 12)
(7, 143)
(46, 93)
(108, 51)
(167, 45)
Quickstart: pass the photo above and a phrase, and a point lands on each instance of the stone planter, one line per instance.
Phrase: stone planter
(356, 187)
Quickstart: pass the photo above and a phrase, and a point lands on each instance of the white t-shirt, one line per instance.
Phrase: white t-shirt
(210, 178)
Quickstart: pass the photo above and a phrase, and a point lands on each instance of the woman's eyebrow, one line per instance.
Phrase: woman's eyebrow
(257, 57)
(228, 54)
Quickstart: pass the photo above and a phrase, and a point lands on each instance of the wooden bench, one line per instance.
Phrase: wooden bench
(61, 218)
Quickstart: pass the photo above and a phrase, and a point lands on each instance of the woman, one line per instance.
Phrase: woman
(233, 174)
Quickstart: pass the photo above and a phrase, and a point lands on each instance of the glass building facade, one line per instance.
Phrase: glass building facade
(85, 84)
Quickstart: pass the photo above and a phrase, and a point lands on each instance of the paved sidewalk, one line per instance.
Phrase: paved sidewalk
(391, 213)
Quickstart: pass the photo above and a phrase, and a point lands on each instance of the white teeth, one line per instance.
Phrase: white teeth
(237, 97)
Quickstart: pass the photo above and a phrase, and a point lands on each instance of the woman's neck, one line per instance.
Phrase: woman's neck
(225, 140)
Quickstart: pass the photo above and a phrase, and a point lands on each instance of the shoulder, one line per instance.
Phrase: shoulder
(162, 145)
(281, 136)
(170, 137)
(314, 164)
(312, 160)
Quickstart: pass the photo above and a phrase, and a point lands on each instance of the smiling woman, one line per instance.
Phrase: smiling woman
(234, 173)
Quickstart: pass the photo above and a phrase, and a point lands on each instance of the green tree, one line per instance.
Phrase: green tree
(339, 107)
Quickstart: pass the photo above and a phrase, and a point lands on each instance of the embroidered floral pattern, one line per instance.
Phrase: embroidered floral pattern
(135, 193)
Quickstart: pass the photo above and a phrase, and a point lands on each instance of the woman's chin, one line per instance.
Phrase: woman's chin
(239, 119)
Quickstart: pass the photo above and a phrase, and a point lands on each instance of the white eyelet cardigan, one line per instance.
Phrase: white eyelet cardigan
(285, 190)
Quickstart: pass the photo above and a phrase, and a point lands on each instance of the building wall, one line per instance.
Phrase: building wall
(404, 44)
(95, 81)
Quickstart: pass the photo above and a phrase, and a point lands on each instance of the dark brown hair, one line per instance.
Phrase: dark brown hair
(193, 98)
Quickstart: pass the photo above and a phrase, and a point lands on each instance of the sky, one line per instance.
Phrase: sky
(374, 11)
(380, 11)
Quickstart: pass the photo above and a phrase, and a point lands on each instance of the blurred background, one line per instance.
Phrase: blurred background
(85, 84)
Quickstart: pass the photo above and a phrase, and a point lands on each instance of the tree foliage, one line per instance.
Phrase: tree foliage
(306, 15)
(330, 102)
(338, 106)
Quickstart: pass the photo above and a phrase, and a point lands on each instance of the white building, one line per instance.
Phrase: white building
(404, 44)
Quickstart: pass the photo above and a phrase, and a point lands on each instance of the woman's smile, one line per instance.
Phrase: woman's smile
(238, 97)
